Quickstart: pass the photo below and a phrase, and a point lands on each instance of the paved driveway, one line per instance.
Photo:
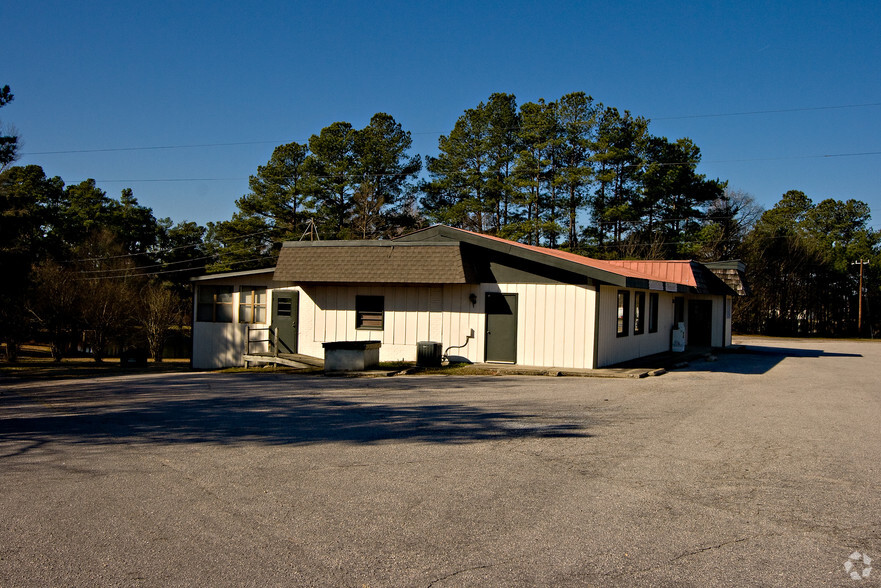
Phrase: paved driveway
(761, 468)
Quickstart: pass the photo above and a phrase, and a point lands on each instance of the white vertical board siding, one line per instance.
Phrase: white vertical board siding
(555, 322)
(220, 345)
(612, 349)
(412, 314)
(727, 309)
(459, 318)
(435, 309)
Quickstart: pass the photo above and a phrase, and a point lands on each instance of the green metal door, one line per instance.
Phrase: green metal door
(501, 327)
(285, 310)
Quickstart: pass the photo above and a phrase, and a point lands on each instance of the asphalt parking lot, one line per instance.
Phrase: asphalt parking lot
(760, 468)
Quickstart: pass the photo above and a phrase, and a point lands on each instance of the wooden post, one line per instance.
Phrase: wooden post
(275, 340)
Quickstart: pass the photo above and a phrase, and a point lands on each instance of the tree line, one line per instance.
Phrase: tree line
(804, 262)
(569, 173)
(84, 268)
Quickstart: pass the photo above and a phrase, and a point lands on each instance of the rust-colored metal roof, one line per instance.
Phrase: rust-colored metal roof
(675, 272)
(678, 271)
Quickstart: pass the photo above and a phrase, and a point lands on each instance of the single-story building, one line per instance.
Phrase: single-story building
(483, 298)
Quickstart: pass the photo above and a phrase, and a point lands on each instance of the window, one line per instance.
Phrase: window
(639, 313)
(283, 306)
(369, 312)
(214, 304)
(653, 312)
(623, 312)
(252, 304)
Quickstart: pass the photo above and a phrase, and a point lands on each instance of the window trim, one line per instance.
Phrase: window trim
(253, 306)
(622, 328)
(369, 309)
(214, 304)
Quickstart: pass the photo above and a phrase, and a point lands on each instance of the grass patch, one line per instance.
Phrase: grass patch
(35, 363)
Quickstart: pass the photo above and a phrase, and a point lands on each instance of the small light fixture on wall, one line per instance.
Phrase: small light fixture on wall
(473, 298)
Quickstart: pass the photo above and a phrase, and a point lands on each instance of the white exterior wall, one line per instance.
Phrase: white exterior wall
(220, 345)
(558, 325)
(327, 313)
(613, 349)
(217, 345)
(727, 310)
(555, 322)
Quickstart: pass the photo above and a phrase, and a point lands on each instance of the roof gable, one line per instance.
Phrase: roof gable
(666, 275)
(446, 255)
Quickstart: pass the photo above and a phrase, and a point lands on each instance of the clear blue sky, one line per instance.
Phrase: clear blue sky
(104, 75)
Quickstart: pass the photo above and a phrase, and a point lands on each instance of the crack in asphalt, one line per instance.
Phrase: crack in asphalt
(457, 572)
(711, 547)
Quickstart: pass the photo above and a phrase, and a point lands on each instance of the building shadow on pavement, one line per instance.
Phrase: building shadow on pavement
(755, 360)
(243, 411)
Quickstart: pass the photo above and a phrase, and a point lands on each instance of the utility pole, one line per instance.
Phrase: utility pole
(861, 263)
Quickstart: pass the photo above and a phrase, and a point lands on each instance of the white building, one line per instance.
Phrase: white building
(485, 299)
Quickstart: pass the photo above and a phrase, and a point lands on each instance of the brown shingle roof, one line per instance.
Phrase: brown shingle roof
(371, 262)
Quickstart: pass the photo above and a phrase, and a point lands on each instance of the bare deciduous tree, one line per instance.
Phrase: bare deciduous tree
(161, 308)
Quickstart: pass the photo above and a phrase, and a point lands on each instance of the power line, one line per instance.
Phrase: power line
(152, 148)
(778, 111)
(641, 164)
(154, 252)
(144, 267)
(240, 143)
(136, 274)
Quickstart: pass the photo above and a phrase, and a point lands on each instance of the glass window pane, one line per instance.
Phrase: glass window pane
(205, 313)
(206, 294)
(623, 313)
(639, 314)
(224, 294)
(224, 313)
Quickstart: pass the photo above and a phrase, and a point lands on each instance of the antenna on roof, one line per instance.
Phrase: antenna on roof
(311, 230)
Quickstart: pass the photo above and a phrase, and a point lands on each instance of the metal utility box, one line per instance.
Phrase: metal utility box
(428, 353)
(350, 356)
